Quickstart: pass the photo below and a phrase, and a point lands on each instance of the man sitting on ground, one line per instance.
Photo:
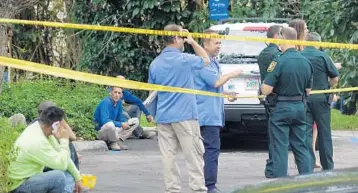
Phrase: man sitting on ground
(38, 148)
(134, 111)
(74, 156)
(111, 123)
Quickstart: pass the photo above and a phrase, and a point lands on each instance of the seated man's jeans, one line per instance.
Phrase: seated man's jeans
(54, 181)
(133, 111)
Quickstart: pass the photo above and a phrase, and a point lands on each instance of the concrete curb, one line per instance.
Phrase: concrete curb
(91, 146)
(99, 145)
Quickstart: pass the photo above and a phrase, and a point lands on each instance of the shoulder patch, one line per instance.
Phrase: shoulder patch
(272, 66)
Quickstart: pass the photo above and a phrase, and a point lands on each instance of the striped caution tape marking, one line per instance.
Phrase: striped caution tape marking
(171, 33)
(111, 81)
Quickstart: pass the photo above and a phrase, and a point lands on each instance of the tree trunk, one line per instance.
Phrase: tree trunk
(4, 13)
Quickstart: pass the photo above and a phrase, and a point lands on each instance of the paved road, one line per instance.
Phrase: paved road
(139, 170)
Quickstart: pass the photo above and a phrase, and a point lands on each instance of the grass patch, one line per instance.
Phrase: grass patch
(343, 122)
(144, 122)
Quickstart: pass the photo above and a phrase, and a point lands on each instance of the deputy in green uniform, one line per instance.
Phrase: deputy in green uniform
(290, 79)
(267, 55)
(325, 76)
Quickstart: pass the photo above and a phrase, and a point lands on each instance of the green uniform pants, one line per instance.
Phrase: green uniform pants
(319, 111)
(288, 127)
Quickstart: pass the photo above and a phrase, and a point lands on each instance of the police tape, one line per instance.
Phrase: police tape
(172, 33)
(129, 84)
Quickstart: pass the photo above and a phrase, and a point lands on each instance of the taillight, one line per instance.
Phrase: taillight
(255, 28)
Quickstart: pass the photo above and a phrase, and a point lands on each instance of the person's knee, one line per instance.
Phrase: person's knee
(109, 125)
(133, 121)
(59, 178)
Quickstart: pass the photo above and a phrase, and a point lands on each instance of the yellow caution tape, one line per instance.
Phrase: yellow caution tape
(97, 79)
(171, 33)
(111, 81)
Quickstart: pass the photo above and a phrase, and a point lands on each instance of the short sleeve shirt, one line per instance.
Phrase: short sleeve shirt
(175, 68)
(210, 109)
(323, 67)
(266, 56)
(290, 74)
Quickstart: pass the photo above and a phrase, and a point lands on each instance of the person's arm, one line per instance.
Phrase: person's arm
(45, 154)
(105, 109)
(213, 79)
(199, 51)
(273, 72)
(310, 81)
(223, 79)
(332, 71)
(72, 169)
(129, 98)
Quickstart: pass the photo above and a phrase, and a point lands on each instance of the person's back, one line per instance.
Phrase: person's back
(174, 68)
(290, 78)
(296, 74)
(176, 114)
(38, 148)
(323, 68)
(318, 106)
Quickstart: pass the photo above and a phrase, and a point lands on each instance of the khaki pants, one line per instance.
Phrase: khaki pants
(109, 132)
(185, 135)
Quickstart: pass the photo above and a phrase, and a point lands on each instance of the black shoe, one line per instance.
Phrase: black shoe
(215, 190)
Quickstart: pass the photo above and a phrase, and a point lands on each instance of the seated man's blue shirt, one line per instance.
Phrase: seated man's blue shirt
(129, 98)
(106, 112)
(210, 109)
(174, 68)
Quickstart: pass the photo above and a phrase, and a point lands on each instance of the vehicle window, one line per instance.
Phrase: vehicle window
(236, 52)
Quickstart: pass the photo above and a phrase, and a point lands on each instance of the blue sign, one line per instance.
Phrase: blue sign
(218, 9)
(218, 14)
(218, 4)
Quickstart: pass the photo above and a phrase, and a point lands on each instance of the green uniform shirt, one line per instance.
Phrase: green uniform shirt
(35, 151)
(323, 67)
(290, 74)
(265, 58)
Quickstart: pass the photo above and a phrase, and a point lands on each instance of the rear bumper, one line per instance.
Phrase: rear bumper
(244, 112)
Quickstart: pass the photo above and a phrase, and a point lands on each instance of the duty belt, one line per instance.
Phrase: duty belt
(289, 98)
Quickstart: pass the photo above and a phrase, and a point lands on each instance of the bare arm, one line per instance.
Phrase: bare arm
(223, 79)
(266, 89)
(199, 51)
(333, 81)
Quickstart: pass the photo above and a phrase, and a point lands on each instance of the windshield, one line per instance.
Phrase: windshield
(238, 52)
(246, 48)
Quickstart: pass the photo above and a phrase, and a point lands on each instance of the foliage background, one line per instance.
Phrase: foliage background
(78, 100)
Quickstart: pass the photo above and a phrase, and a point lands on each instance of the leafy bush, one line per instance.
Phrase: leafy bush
(78, 99)
(8, 136)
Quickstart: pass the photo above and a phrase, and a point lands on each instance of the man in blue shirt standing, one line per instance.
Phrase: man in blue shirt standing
(112, 126)
(211, 109)
(177, 113)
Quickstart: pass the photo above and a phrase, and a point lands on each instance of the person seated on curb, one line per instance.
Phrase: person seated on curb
(37, 147)
(74, 155)
(111, 124)
(134, 111)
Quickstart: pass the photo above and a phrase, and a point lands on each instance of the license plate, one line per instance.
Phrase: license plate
(251, 84)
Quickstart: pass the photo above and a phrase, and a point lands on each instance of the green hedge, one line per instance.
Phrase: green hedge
(8, 136)
(78, 99)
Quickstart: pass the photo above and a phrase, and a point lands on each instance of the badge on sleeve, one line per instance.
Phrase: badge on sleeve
(272, 66)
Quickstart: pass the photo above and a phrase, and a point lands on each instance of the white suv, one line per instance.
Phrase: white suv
(245, 115)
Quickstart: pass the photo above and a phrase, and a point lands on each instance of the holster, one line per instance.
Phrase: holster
(270, 102)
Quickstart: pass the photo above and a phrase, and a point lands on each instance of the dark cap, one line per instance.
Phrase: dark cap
(44, 105)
